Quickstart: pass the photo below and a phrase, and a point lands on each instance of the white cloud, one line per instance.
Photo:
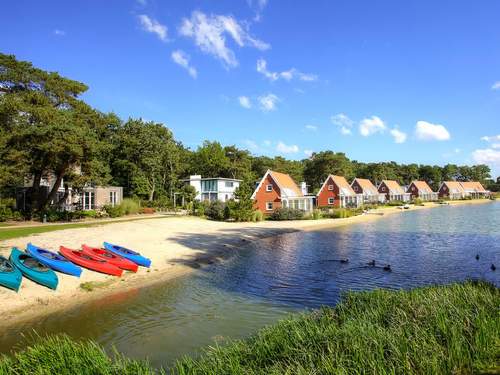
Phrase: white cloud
(268, 102)
(487, 156)
(495, 145)
(287, 149)
(287, 75)
(153, 26)
(209, 34)
(311, 127)
(398, 135)
(370, 126)
(252, 145)
(308, 153)
(492, 138)
(345, 131)
(343, 122)
(496, 86)
(426, 131)
(259, 6)
(59, 32)
(182, 59)
(245, 102)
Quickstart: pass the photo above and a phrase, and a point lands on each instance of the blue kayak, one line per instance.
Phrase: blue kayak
(33, 269)
(128, 254)
(10, 276)
(55, 261)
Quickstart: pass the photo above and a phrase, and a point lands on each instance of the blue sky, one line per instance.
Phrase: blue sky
(410, 81)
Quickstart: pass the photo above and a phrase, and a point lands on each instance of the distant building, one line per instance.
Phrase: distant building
(213, 188)
(367, 190)
(393, 191)
(475, 190)
(88, 198)
(422, 190)
(276, 190)
(451, 190)
(336, 192)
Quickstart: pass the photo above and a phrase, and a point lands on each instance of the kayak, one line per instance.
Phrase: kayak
(90, 262)
(53, 260)
(110, 257)
(33, 269)
(10, 276)
(128, 254)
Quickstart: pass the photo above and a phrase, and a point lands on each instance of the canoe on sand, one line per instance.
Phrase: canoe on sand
(110, 257)
(55, 261)
(128, 254)
(87, 261)
(10, 276)
(33, 269)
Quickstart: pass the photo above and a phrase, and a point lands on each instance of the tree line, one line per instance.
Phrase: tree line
(47, 128)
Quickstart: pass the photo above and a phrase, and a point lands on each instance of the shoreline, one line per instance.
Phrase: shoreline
(177, 247)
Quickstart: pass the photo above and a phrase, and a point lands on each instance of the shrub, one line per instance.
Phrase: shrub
(395, 203)
(342, 213)
(257, 215)
(130, 206)
(114, 211)
(199, 208)
(6, 214)
(418, 202)
(286, 213)
(316, 214)
(216, 210)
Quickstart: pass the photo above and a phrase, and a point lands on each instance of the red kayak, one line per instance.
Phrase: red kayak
(92, 263)
(110, 257)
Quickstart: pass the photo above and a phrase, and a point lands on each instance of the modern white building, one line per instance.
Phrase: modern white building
(213, 188)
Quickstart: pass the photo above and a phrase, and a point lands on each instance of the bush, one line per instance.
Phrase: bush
(199, 208)
(418, 202)
(6, 214)
(130, 206)
(395, 203)
(286, 213)
(342, 213)
(316, 214)
(216, 210)
(114, 211)
(257, 215)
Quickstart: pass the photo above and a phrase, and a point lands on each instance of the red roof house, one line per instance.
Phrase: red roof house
(369, 191)
(422, 190)
(336, 192)
(277, 190)
(393, 191)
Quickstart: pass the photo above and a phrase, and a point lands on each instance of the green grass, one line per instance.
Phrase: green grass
(13, 232)
(90, 286)
(451, 329)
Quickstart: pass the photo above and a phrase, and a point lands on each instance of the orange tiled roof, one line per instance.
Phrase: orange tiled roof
(285, 182)
(454, 186)
(393, 187)
(422, 186)
(367, 186)
(342, 183)
(473, 186)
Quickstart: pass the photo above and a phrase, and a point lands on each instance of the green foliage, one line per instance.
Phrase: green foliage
(450, 329)
(322, 164)
(418, 202)
(8, 210)
(242, 209)
(257, 215)
(341, 213)
(130, 206)
(286, 213)
(394, 203)
(216, 210)
(316, 214)
(114, 211)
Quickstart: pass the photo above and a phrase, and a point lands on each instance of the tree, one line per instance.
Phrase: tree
(210, 160)
(46, 129)
(322, 164)
(242, 209)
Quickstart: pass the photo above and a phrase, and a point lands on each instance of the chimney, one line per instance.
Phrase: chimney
(303, 188)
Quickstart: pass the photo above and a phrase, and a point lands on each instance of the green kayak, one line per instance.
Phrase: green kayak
(33, 269)
(10, 276)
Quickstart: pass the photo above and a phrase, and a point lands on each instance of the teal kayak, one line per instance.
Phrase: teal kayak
(10, 276)
(33, 269)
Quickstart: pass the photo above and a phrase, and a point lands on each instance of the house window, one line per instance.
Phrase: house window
(330, 187)
(269, 187)
(229, 184)
(88, 200)
(331, 200)
(209, 185)
(112, 198)
(269, 206)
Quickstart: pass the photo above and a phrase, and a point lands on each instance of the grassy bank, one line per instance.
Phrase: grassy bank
(432, 330)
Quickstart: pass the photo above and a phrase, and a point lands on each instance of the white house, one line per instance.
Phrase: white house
(213, 188)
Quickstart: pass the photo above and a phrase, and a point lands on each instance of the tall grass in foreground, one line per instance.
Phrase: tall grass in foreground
(434, 330)
(451, 329)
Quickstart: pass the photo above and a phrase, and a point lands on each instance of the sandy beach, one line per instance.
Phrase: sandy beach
(176, 246)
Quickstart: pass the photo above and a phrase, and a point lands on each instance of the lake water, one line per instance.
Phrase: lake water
(273, 277)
